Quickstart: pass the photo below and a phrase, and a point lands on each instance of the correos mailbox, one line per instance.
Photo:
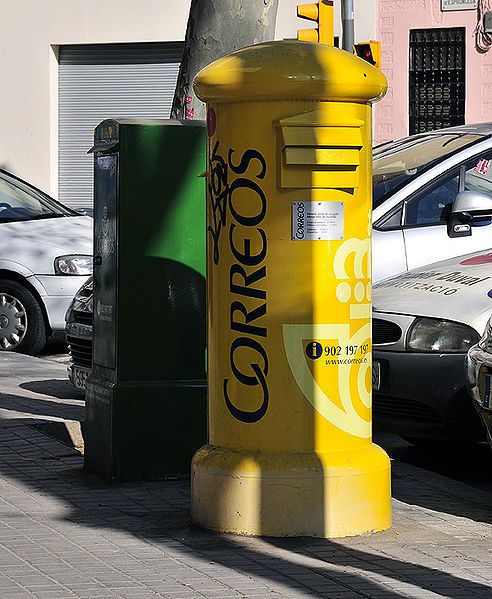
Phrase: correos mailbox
(289, 296)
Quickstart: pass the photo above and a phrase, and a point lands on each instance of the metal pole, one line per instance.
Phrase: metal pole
(348, 25)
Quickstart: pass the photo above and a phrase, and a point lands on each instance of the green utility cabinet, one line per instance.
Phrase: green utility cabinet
(146, 397)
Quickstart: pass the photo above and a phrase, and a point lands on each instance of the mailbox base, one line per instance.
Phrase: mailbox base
(328, 495)
(142, 430)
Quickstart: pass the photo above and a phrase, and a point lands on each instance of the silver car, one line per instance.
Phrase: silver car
(45, 256)
(424, 323)
(415, 183)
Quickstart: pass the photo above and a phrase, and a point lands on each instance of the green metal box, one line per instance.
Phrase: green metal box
(146, 398)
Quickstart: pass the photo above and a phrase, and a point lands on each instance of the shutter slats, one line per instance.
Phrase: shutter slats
(107, 81)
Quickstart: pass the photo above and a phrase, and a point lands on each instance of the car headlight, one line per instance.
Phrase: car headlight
(82, 300)
(73, 265)
(441, 336)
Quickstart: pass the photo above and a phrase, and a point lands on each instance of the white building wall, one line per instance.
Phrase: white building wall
(31, 32)
(365, 20)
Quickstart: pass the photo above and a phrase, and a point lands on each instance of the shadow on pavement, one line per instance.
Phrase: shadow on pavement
(54, 388)
(41, 407)
(158, 513)
(325, 553)
(68, 432)
(462, 465)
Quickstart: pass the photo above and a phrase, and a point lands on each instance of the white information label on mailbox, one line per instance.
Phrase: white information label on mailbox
(317, 220)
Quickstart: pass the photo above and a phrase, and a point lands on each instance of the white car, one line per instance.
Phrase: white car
(424, 322)
(45, 256)
(416, 180)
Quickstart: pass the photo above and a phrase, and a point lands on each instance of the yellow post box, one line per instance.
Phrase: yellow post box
(289, 296)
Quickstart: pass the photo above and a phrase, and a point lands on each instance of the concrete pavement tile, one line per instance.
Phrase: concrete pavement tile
(298, 595)
(6, 589)
(53, 593)
(22, 595)
(185, 595)
(128, 534)
(136, 594)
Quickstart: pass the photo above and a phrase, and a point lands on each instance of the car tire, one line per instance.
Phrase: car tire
(22, 324)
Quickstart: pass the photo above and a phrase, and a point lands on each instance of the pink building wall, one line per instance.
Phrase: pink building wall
(394, 20)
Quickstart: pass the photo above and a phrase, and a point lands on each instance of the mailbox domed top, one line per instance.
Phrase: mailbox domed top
(290, 70)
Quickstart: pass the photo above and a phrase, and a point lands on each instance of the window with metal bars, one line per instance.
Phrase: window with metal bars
(436, 79)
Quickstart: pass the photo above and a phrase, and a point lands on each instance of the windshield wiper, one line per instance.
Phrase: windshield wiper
(42, 216)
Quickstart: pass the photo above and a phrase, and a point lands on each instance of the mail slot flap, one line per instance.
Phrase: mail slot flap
(320, 156)
(302, 178)
(334, 115)
(320, 149)
(327, 126)
(344, 137)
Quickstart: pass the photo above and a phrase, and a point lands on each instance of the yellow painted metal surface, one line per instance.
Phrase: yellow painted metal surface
(289, 296)
(290, 70)
(322, 13)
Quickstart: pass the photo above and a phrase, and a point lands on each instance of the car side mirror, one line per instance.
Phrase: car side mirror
(467, 206)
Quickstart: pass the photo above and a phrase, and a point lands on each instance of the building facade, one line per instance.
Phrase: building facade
(439, 71)
(68, 65)
(63, 66)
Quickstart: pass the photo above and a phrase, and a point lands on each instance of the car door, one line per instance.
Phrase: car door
(424, 215)
(388, 246)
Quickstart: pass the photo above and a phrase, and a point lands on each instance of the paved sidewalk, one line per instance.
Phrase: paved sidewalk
(67, 534)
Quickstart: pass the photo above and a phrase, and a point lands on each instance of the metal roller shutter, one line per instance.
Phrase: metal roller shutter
(107, 81)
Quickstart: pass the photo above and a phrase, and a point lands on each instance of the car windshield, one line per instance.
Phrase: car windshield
(396, 163)
(19, 201)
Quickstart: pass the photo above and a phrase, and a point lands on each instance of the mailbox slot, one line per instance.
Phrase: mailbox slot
(319, 153)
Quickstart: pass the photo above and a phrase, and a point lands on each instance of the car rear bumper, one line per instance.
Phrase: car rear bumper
(424, 395)
(78, 376)
(478, 364)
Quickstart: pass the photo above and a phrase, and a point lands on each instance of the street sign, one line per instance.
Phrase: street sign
(447, 5)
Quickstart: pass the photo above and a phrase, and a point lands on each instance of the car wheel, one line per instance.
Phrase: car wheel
(22, 326)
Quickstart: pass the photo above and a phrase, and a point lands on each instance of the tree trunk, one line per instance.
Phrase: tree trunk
(216, 28)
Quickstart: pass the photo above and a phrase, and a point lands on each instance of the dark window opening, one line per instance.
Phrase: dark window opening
(436, 79)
